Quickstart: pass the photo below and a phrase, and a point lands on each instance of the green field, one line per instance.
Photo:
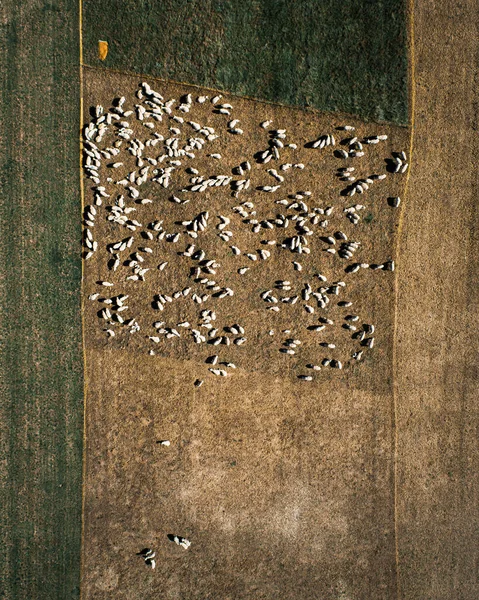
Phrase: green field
(41, 367)
(346, 56)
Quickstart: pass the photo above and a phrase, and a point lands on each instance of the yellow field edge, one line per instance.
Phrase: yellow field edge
(82, 208)
(412, 104)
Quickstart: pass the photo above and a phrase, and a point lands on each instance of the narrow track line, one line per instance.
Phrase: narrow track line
(85, 387)
(412, 107)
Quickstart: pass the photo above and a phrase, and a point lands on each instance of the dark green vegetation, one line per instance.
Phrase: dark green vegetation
(41, 385)
(347, 55)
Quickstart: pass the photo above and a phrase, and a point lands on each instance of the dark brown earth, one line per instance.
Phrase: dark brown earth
(283, 487)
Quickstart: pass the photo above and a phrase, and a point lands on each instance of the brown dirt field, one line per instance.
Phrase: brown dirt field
(284, 487)
(437, 349)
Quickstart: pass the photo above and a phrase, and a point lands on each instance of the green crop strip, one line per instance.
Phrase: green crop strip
(41, 366)
(346, 56)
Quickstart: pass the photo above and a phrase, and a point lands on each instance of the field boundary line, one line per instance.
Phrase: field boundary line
(397, 249)
(82, 302)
